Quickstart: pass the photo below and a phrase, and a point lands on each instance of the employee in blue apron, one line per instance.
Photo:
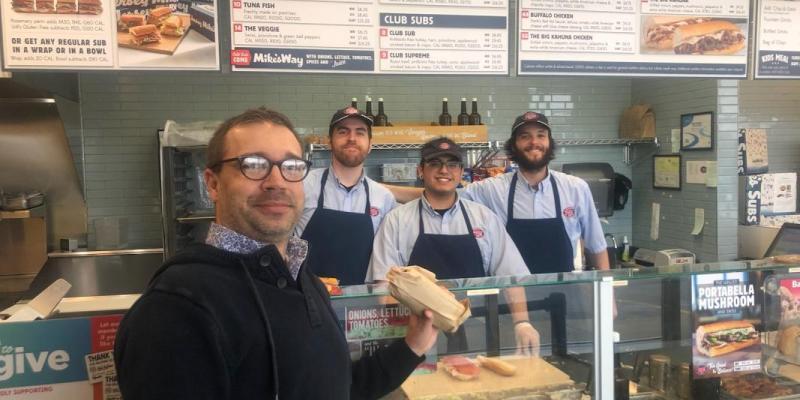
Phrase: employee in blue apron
(452, 237)
(546, 212)
(344, 207)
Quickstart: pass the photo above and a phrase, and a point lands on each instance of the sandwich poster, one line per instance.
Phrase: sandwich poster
(106, 34)
(633, 37)
(778, 54)
(726, 311)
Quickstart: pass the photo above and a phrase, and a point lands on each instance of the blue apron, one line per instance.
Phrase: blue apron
(340, 242)
(543, 243)
(448, 256)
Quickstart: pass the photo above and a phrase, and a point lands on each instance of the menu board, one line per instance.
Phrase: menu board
(778, 48)
(633, 37)
(368, 36)
(105, 34)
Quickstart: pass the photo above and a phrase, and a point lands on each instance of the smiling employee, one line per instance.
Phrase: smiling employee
(344, 207)
(452, 237)
(546, 212)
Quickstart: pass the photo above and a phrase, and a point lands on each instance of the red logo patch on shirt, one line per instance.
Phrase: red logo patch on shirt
(373, 211)
(569, 212)
(477, 232)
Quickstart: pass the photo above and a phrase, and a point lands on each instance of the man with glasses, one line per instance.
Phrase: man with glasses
(452, 237)
(242, 316)
(344, 207)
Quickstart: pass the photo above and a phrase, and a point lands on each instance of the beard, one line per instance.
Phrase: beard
(527, 164)
(350, 159)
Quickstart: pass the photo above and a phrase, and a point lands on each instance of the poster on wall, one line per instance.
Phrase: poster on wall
(778, 52)
(368, 36)
(59, 359)
(633, 37)
(725, 313)
(105, 34)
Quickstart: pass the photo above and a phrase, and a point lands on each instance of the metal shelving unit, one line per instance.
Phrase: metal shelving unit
(312, 147)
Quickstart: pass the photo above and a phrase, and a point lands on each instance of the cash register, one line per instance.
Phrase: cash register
(655, 258)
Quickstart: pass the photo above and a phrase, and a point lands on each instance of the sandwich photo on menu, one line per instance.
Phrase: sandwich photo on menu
(128, 21)
(718, 338)
(24, 6)
(661, 28)
(157, 16)
(45, 6)
(717, 37)
(92, 7)
(173, 26)
(145, 34)
(66, 7)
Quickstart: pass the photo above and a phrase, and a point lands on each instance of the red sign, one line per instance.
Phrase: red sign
(241, 58)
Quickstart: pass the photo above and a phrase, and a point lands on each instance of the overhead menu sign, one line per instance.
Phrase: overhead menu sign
(778, 53)
(391, 36)
(633, 37)
(105, 34)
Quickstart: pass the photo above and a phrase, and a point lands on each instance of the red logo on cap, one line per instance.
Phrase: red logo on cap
(350, 110)
(444, 145)
(530, 116)
(373, 211)
(477, 232)
(569, 212)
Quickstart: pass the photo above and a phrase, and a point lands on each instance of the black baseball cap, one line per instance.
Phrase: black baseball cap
(440, 147)
(350, 112)
(530, 117)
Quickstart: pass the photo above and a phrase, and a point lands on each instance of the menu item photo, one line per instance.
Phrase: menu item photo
(661, 29)
(713, 37)
(88, 7)
(145, 34)
(127, 21)
(725, 337)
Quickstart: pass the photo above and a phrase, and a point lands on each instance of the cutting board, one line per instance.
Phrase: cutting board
(532, 373)
(167, 45)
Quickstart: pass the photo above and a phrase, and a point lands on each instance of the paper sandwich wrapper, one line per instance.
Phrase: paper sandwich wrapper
(416, 288)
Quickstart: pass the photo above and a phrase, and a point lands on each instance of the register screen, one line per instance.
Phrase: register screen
(787, 241)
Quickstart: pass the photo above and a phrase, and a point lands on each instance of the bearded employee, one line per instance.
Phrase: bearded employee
(344, 207)
(242, 316)
(452, 237)
(546, 212)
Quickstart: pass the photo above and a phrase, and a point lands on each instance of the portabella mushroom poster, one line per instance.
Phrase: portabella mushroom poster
(726, 310)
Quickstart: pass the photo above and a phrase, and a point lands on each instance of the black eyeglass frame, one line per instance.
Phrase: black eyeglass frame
(270, 164)
(456, 164)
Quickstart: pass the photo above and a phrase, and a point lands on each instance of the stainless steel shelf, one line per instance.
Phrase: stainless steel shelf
(602, 142)
(195, 218)
(312, 147)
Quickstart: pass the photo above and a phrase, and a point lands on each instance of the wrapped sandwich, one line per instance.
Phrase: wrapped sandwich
(416, 288)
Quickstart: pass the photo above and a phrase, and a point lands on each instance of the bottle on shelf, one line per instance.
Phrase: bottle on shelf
(463, 117)
(381, 119)
(474, 118)
(445, 119)
(354, 103)
(626, 249)
(369, 108)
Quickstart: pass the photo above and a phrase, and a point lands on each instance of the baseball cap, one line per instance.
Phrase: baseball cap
(440, 147)
(350, 112)
(530, 117)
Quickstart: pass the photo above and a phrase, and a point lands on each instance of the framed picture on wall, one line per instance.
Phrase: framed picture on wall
(667, 171)
(697, 131)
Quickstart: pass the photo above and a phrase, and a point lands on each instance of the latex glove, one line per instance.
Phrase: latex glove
(527, 339)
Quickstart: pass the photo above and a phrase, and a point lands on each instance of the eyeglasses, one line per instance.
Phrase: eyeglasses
(437, 164)
(258, 168)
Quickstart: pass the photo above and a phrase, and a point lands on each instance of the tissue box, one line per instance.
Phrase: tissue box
(752, 151)
(767, 195)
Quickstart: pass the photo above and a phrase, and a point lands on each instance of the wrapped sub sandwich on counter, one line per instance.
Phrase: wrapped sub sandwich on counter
(416, 288)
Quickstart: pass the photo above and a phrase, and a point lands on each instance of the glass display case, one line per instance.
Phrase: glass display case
(703, 331)
(707, 331)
